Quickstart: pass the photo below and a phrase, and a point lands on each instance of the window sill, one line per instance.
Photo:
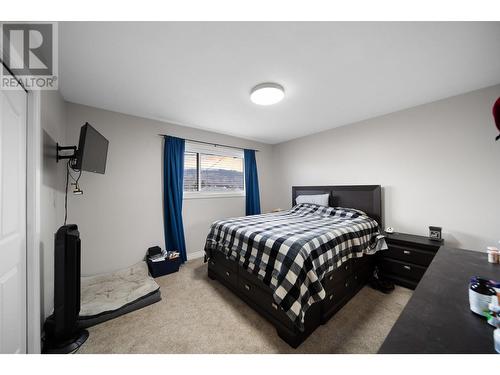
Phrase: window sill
(207, 195)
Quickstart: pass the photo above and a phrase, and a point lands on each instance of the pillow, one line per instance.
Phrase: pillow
(321, 199)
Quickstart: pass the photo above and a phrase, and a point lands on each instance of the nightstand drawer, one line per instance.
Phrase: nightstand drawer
(402, 269)
(409, 254)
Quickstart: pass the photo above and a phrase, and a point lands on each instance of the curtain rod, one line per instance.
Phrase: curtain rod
(211, 143)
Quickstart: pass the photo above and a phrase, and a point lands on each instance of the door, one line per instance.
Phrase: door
(12, 221)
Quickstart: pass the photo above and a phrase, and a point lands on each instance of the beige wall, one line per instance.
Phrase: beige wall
(120, 212)
(53, 122)
(438, 164)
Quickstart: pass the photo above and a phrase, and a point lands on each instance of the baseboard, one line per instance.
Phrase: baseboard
(196, 255)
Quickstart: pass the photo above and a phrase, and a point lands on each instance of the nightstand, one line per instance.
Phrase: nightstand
(407, 258)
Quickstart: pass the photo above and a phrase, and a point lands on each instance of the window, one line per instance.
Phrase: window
(211, 170)
(190, 171)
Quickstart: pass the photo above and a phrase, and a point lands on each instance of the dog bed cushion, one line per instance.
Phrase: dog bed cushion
(108, 293)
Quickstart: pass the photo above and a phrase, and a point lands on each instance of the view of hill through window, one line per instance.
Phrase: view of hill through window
(217, 173)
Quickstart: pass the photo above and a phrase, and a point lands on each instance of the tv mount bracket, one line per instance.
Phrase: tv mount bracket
(60, 155)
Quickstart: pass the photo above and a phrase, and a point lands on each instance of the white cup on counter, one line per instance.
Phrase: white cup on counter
(493, 254)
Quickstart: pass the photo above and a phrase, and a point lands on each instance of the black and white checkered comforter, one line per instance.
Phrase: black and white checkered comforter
(291, 251)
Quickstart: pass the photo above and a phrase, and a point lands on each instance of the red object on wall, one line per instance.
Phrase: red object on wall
(496, 116)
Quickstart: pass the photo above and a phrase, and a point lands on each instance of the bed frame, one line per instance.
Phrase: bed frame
(340, 285)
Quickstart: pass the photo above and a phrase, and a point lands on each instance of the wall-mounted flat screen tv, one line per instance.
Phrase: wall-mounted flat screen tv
(92, 150)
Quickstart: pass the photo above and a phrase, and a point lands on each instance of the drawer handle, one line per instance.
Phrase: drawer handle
(330, 278)
(275, 306)
(346, 284)
(227, 273)
(407, 268)
(212, 263)
(406, 252)
(331, 297)
(247, 287)
(355, 277)
(346, 267)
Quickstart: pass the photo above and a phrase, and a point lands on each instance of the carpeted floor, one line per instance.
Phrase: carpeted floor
(198, 315)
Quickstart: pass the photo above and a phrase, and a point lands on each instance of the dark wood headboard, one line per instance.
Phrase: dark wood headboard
(367, 198)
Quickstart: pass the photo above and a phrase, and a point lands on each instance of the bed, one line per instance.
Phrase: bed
(298, 267)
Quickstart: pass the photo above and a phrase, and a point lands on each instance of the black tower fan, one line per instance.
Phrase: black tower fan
(62, 334)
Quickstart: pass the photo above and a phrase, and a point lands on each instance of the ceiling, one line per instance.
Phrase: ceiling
(334, 73)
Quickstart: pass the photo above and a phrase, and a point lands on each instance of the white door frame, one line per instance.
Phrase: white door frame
(33, 184)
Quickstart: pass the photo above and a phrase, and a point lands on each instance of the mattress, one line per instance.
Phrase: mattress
(107, 296)
(291, 251)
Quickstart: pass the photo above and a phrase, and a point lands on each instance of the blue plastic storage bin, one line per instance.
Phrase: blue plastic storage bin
(157, 269)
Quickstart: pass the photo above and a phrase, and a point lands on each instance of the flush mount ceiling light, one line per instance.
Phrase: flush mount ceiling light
(267, 94)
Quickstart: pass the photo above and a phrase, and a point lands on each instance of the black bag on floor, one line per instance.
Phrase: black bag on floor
(377, 282)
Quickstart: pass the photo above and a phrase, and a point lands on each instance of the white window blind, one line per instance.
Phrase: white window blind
(190, 171)
(210, 169)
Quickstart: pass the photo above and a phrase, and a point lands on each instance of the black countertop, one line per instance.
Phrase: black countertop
(437, 319)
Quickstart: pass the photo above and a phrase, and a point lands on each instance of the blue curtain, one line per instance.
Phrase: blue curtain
(251, 184)
(173, 186)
